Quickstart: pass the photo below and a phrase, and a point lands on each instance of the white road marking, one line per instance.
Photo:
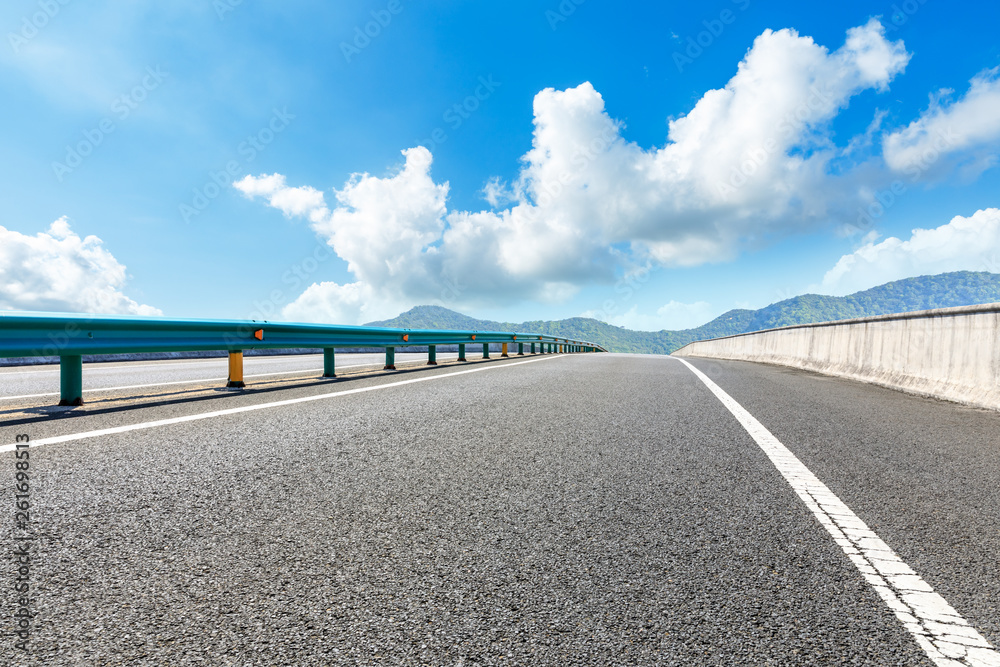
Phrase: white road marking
(170, 363)
(263, 406)
(222, 361)
(942, 632)
(165, 384)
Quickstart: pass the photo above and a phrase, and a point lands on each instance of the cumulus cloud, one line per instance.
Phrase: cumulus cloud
(964, 134)
(674, 315)
(964, 244)
(750, 161)
(290, 201)
(58, 271)
(331, 302)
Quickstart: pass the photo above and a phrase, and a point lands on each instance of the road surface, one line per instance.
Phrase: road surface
(21, 383)
(590, 509)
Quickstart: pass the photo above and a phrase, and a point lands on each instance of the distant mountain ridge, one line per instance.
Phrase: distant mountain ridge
(963, 288)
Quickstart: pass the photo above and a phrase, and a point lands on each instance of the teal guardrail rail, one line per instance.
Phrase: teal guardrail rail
(69, 337)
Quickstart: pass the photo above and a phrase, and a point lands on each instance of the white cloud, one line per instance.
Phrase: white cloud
(57, 271)
(964, 244)
(290, 201)
(964, 134)
(331, 302)
(750, 161)
(673, 315)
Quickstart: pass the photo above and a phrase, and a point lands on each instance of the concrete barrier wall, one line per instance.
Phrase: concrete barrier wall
(951, 353)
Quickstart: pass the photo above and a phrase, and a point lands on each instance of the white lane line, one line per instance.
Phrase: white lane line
(164, 384)
(170, 363)
(263, 406)
(163, 363)
(167, 384)
(942, 632)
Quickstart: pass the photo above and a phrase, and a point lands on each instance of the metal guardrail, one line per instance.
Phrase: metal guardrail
(69, 337)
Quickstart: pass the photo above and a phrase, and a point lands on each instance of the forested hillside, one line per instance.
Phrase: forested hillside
(941, 291)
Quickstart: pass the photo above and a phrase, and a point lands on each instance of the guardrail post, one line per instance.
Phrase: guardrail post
(461, 352)
(532, 348)
(71, 380)
(503, 350)
(486, 350)
(236, 370)
(390, 359)
(432, 355)
(329, 363)
(520, 349)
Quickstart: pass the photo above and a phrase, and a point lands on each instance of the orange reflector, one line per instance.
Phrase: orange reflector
(515, 337)
(406, 338)
(473, 336)
(259, 334)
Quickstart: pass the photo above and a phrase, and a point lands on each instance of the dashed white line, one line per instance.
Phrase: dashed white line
(941, 632)
(264, 406)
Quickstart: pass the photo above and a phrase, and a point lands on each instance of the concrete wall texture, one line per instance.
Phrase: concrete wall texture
(951, 353)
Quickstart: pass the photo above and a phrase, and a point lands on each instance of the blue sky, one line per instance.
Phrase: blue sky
(650, 164)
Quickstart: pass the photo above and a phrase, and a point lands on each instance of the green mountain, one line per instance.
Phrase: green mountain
(964, 288)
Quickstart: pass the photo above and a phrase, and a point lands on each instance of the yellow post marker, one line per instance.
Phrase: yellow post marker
(236, 370)
(503, 350)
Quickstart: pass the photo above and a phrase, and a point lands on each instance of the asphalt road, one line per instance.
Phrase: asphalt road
(18, 383)
(591, 509)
